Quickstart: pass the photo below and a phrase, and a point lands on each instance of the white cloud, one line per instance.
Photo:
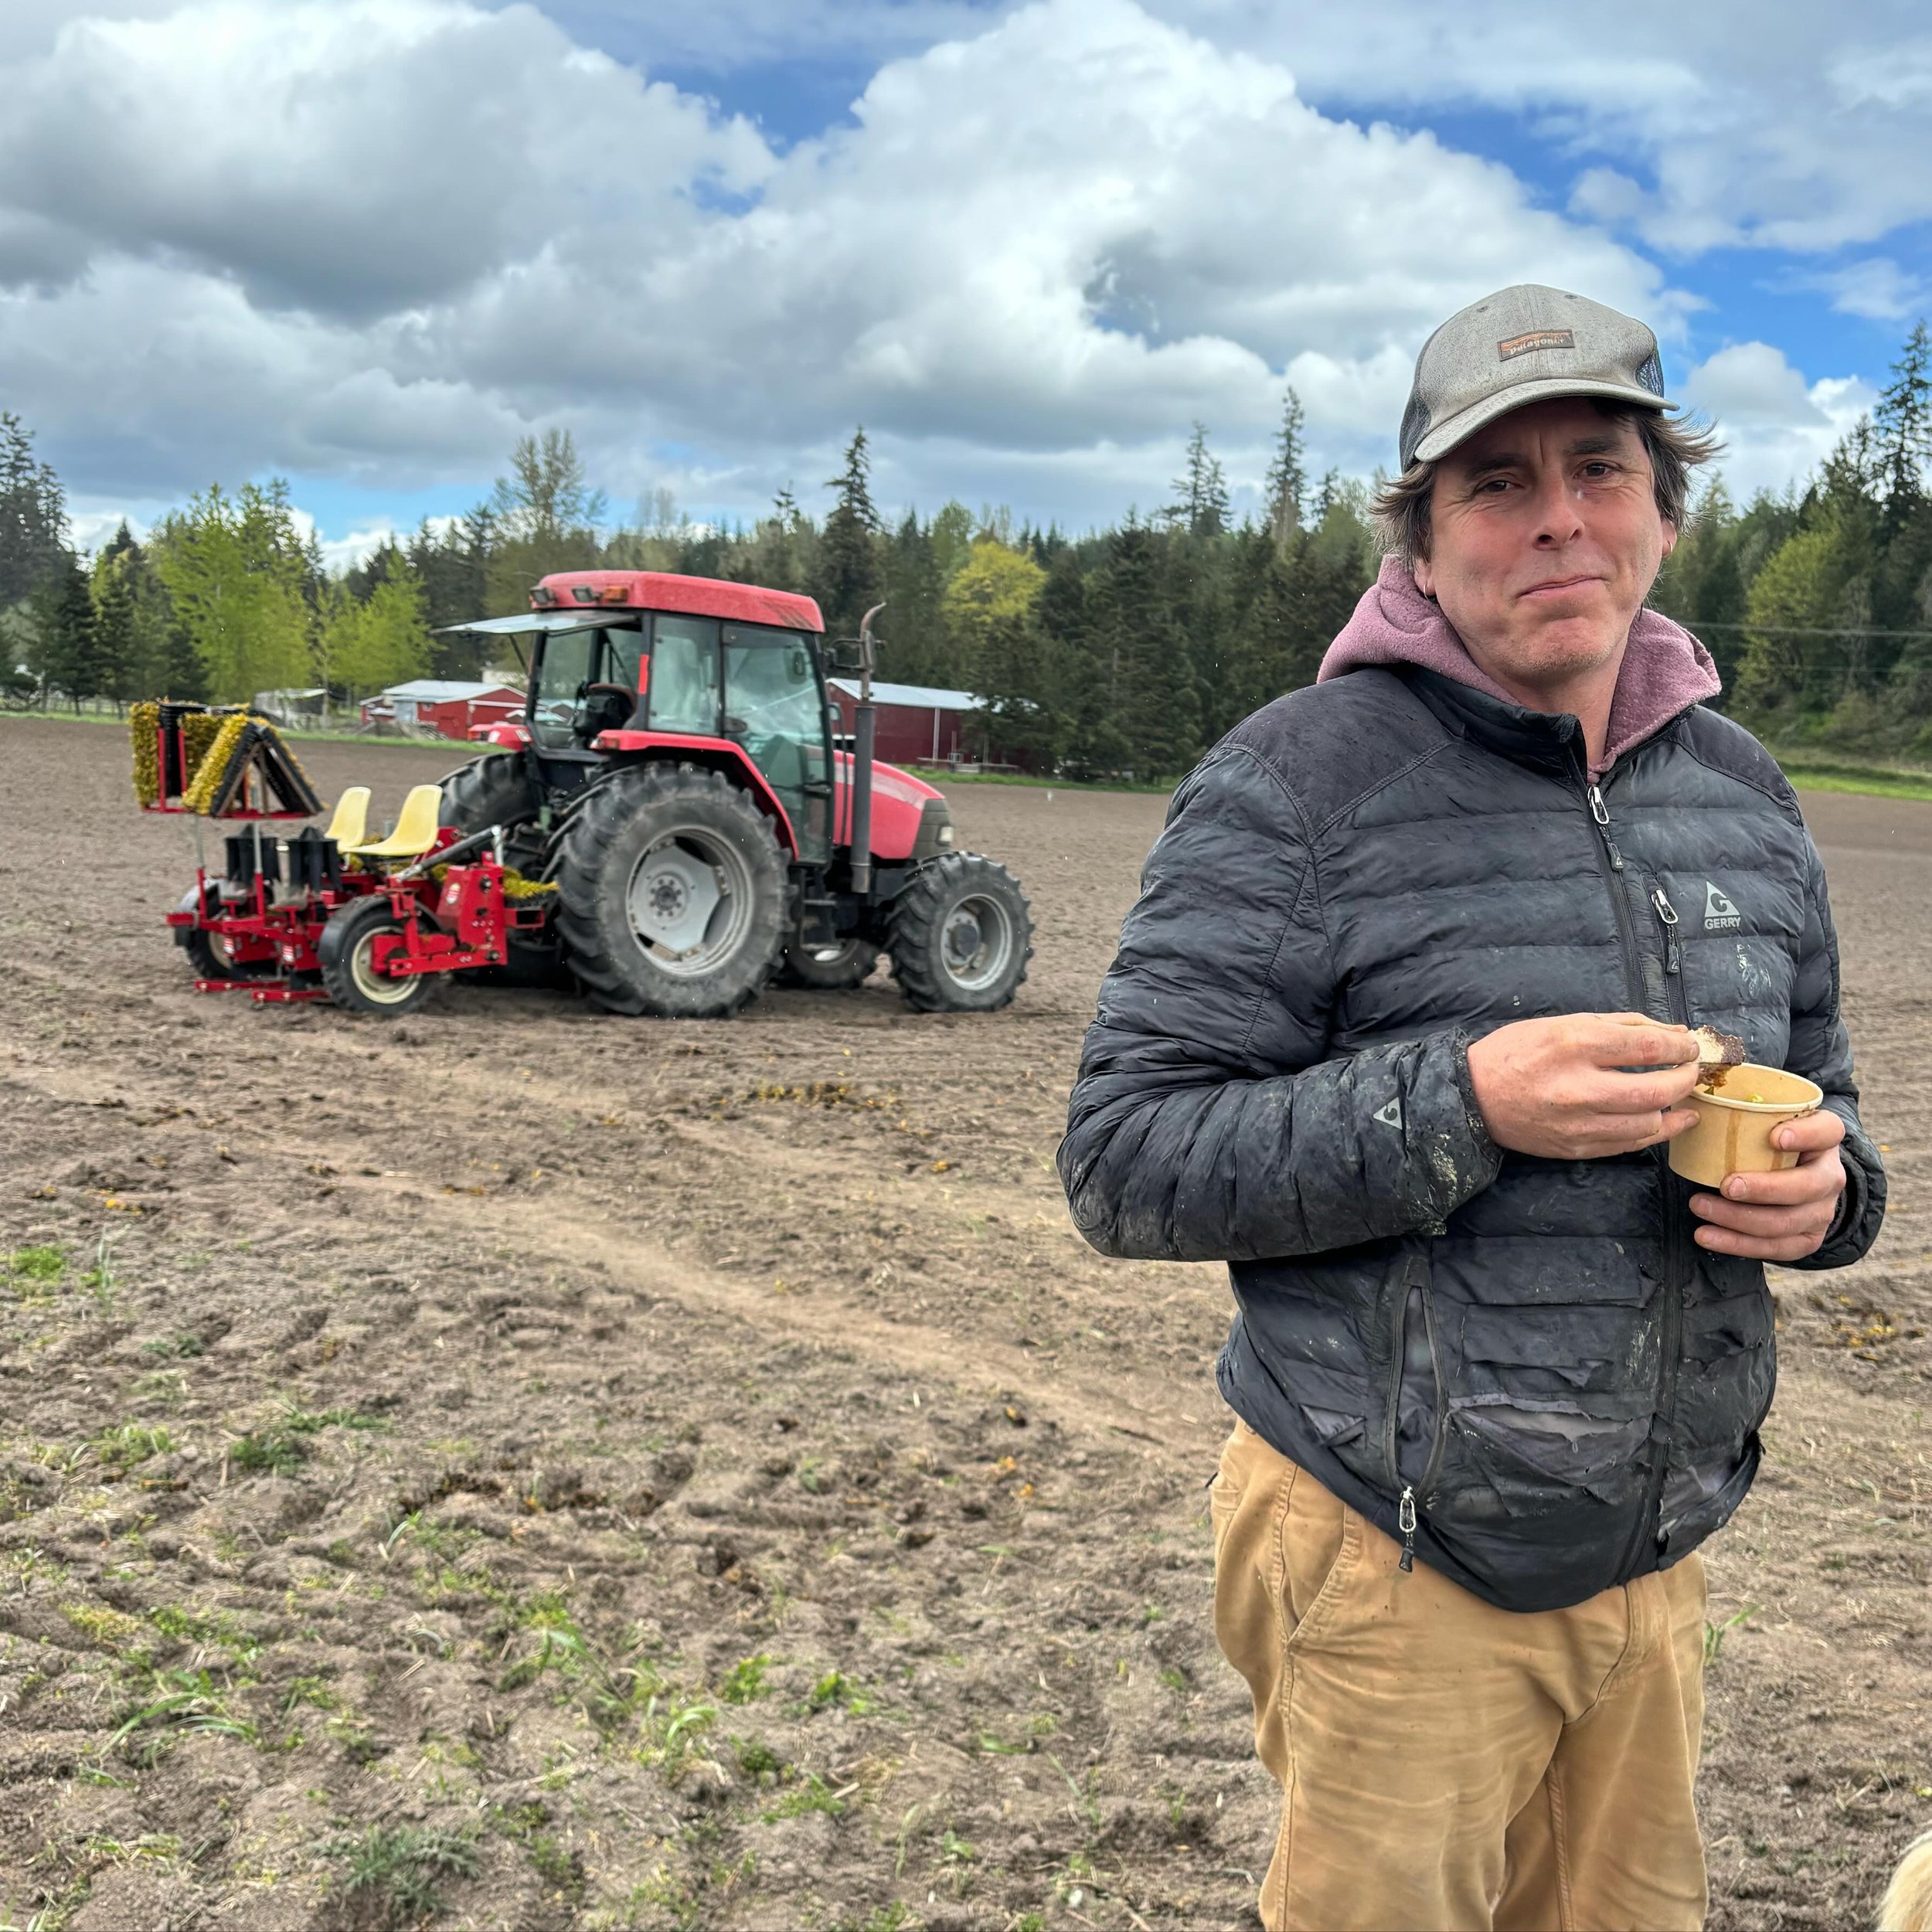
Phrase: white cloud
(1776, 426)
(1769, 123)
(376, 239)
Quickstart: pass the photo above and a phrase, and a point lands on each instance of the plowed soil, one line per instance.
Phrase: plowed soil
(568, 1471)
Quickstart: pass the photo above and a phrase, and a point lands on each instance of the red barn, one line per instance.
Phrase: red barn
(447, 705)
(916, 723)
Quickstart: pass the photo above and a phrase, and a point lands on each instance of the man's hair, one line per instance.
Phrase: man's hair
(1401, 506)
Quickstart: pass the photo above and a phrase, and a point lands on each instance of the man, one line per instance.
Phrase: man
(1399, 1029)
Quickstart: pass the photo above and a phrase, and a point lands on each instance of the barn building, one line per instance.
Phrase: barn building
(447, 705)
(916, 723)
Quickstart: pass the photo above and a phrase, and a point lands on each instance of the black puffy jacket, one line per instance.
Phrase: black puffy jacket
(1533, 1356)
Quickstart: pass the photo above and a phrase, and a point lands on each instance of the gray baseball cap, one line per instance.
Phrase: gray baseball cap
(1520, 346)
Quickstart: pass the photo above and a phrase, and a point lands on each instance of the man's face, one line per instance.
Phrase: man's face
(1544, 540)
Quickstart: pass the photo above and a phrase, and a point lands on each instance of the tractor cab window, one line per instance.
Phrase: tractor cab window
(684, 675)
(587, 683)
(775, 707)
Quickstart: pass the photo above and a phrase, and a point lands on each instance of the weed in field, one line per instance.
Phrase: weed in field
(193, 1704)
(111, 1629)
(810, 1794)
(272, 1451)
(759, 1762)
(400, 1868)
(185, 1346)
(33, 1274)
(1715, 1633)
(118, 1450)
(836, 1688)
(744, 1681)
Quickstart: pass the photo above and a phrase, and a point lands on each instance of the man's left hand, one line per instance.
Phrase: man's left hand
(1782, 1216)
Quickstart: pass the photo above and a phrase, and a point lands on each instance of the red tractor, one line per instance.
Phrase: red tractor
(671, 824)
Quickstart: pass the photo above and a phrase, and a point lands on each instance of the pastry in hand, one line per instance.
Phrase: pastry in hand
(1716, 1054)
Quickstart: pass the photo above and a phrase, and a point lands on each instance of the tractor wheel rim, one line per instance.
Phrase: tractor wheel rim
(372, 984)
(689, 903)
(976, 942)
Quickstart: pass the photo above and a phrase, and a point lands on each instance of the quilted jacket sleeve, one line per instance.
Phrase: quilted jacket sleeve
(1209, 1121)
(1821, 1049)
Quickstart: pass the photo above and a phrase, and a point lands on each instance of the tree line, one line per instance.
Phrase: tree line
(1122, 652)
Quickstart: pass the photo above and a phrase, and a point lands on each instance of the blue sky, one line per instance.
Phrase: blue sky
(365, 244)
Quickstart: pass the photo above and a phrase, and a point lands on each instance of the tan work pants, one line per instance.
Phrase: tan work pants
(1445, 1766)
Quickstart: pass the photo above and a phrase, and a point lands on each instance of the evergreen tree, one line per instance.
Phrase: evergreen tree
(1288, 473)
(913, 647)
(117, 640)
(33, 515)
(1201, 490)
(848, 575)
(1155, 706)
(1902, 427)
(69, 644)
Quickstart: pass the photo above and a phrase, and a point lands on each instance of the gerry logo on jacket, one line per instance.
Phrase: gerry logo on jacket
(1720, 915)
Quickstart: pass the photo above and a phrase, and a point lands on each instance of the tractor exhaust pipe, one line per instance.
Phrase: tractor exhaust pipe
(864, 729)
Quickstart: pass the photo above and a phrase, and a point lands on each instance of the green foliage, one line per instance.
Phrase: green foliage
(44, 1263)
(745, 1681)
(235, 568)
(848, 579)
(121, 1449)
(383, 639)
(400, 1868)
(33, 515)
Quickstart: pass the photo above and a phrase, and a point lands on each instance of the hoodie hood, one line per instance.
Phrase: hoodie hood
(1665, 670)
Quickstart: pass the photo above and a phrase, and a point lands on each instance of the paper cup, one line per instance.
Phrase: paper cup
(1734, 1131)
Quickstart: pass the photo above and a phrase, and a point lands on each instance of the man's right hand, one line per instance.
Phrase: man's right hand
(1556, 1088)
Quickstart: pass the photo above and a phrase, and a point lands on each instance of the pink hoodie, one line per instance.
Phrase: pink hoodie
(1665, 670)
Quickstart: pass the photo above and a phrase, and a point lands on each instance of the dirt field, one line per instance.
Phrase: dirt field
(597, 1473)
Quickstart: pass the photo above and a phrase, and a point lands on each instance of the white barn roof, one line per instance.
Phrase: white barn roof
(446, 690)
(917, 697)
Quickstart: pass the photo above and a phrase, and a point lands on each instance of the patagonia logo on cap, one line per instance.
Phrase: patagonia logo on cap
(1536, 338)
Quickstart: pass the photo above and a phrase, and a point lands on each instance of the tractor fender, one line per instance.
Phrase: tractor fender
(506, 731)
(716, 754)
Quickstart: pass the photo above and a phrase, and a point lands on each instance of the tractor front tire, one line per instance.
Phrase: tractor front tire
(348, 970)
(960, 935)
(830, 969)
(672, 894)
(493, 790)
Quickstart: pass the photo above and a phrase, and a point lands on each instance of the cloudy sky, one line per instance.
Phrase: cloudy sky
(366, 243)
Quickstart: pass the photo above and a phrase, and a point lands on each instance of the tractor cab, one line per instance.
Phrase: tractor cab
(707, 672)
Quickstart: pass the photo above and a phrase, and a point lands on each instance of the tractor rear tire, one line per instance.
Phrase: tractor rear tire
(207, 953)
(960, 935)
(830, 969)
(349, 974)
(489, 790)
(672, 897)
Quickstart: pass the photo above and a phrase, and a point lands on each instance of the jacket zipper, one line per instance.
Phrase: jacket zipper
(1680, 1250)
(1670, 1341)
(1406, 1502)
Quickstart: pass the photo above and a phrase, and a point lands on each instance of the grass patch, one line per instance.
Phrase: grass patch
(189, 1704)
(183, 1347)
(745, 1681)
(282, 1447)
(943, 777)
(119, 1450)
(810, 1794)
(1808, 773)
(42, 1263)
(400, 1868)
